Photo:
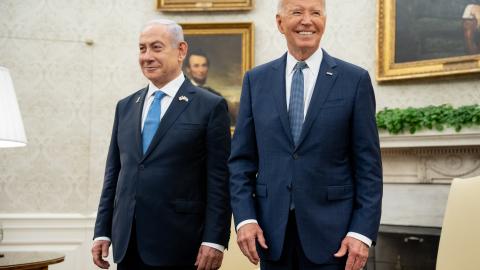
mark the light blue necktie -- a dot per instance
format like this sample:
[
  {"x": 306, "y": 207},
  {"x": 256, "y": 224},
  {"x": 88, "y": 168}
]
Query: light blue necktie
[
  {"x": 296, "y": 108},
  {"x": 152, "y": 121},
  {"x": 296, "y": 103}
]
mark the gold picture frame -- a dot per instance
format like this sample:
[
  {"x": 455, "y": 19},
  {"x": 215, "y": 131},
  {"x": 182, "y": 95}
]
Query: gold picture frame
[
  {"x": 228, "y": 49},
  {"x": 414, "y": 41},
  {"x": 204, "y": 5}
]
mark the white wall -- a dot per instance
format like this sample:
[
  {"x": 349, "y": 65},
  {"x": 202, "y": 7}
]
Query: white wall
[{"x": 69, "y": 234}]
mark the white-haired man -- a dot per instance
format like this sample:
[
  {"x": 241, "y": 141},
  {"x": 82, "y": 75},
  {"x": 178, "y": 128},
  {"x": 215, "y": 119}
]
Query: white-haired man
[
  {"x": 306, "y": 176},
  {"x": 164, "y": 202}
]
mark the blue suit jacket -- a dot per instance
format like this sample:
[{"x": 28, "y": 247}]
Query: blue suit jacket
[
  {"x": 334, "y": 173},
  {"x": 178, "y": 190}
]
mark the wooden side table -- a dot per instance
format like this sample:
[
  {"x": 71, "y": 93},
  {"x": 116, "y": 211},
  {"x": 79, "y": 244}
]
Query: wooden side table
[{"x": 30, "y": 260}]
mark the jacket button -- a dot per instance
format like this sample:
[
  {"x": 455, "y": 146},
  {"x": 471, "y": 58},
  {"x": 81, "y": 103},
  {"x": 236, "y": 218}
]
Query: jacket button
[
  {"x": 295, "y": 156},
  {"x": 289, "y": 187},
  {"x": 142, "y": 167}
]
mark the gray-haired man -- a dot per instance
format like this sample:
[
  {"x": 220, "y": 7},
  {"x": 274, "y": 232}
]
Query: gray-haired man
[{"x": 164, "y": 203}]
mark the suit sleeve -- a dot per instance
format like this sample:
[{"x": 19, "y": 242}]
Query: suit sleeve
[
  {"x": 218, "y": 211},
  {"x": 103, "y": 224},
  {"x": 243, "y": 162},
  {"x": 367, "y": 164}
]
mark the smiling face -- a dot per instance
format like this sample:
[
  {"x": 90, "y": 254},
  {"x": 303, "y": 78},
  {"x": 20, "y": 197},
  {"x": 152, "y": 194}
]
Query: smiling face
[
  {"x": 160, "y": 56},
  {"x": 303, "y": 24}
]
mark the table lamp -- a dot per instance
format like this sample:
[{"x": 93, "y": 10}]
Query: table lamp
[{"x": 12, "y": 133}]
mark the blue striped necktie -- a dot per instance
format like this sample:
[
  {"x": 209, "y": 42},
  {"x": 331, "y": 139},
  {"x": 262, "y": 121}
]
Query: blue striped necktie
[
  {"x": 296, "y": 103},
  {"x": 152, "y": 121}
]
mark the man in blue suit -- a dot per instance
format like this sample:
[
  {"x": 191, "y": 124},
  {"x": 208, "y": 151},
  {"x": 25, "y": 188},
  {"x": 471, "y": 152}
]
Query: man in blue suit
[
  {"x": 165, "y": 201},
  {"x": 306, "y": 176}
]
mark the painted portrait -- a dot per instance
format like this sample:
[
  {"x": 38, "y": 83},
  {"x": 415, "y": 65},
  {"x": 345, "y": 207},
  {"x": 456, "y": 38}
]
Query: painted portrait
[
  {"x": 424, "y": 38},
  {"x": 204, "y": 5},
  {"x": 432, "y": 29},
  {"x": 218, "y": 57}
]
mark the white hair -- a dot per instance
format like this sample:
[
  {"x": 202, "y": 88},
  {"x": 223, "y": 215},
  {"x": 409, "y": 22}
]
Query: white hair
[
  {"x": 174, "y": 28},
  {"x": 281, "y": 6}
]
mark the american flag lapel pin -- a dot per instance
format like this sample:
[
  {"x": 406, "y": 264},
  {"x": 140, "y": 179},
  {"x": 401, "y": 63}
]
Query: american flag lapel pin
[
  {"x": 329, "y": 73},
  {"x": 183, "y": 98},
  {"x": 138, "y": 100}
]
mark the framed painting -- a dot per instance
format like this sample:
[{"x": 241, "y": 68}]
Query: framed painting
[
  {"x": 204, "y": 5},
  {"x": 427, "y": 38},
  {"x": 218, "y": 56}
]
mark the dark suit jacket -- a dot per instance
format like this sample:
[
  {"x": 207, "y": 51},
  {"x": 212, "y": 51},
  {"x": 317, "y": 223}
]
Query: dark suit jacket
[
  {"x": 334, "y": 173},
  {"x": 178, "y": 190}
]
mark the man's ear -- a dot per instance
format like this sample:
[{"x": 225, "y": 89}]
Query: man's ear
[
  {"x": 278, "y": 18},
  {"x": 182, "y": 50}
]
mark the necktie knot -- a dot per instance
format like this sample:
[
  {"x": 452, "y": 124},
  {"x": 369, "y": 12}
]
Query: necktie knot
[
  {"x": 158, "y": 95},
  {"x": 300, "y": 65}
]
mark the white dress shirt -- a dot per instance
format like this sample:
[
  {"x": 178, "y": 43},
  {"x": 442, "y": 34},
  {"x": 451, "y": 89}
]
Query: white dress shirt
[
  {"x": 170, "y": 90},
  {"x": 310, "y": 75}
]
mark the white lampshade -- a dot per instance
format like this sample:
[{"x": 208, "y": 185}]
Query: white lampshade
[{"x": 12, "y": 133}]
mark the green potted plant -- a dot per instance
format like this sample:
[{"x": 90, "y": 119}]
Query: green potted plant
[{"x": 397, "y": 121}]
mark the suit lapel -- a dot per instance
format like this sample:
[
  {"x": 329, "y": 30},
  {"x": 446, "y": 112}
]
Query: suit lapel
[
  {"x": 140, "y": 99},
  {"x": 279, "y": 93},
  {"x": 323, "y": 86},
  {"x": 174, "y": 110}
]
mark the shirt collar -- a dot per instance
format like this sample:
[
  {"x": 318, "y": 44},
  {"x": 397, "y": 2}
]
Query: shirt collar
[
  {"x": 313, "y": 62},
  {"x": 170, "y": 89}
]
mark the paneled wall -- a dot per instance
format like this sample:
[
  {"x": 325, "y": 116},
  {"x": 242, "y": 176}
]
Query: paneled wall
[{"x": 71, "y": 234}]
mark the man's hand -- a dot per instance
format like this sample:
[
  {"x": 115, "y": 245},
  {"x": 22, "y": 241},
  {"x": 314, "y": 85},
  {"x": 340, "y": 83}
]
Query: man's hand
[
  {"x": 357, "y": 253},
  {"x": 208, "y": 258},
  {"x": 246, "y": 236},
  {"x": 100, "y": 251}
]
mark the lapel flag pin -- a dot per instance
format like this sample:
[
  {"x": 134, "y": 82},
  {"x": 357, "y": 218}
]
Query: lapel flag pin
[
  {"x": 138, "y": 100},
  {"x": 329, "y": 73},
  {"x": 184, "y": 98}
]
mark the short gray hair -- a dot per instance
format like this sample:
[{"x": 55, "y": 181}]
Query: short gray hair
[
  {"x": 174, "y": 28},
  {"x": 281, "y": 5}
]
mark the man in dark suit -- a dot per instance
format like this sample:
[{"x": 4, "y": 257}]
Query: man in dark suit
[
  {"x": 164, "y": 203},
  {"x": 306, "y": 177}
]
